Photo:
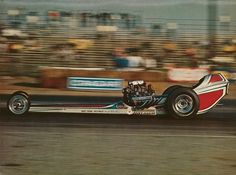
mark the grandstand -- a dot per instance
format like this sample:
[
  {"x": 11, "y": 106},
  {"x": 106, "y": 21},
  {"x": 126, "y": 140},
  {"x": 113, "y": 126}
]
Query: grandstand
[{"x": 49, "y": 30}]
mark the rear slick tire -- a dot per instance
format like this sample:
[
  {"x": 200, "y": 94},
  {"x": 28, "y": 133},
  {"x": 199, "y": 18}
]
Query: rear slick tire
[
  {"x": 182, "y": 103},
  {"x": 170, "y": 89}
]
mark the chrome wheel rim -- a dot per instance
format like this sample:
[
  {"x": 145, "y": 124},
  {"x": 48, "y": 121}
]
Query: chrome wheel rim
[
  {"x": 184, "y": 104},
  {"x": 18, "y": 104}
]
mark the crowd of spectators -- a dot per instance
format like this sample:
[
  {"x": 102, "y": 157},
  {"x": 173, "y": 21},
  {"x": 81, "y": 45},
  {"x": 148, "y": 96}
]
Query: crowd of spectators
[{"x": 34, "y": 40}]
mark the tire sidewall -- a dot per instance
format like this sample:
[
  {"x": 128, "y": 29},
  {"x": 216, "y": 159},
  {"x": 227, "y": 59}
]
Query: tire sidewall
[{"x": 170, "y": 105}]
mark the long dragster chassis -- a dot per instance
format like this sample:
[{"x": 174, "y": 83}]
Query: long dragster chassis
[{"x": 138, "y": 98}]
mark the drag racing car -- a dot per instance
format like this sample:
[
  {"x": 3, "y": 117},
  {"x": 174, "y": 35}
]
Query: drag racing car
[{"x": 139, "y": 98}]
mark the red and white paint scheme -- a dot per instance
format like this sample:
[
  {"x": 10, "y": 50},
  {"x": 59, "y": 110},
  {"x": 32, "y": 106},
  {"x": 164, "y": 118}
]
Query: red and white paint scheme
[
  {"x": 138, "y": 98},
  {"x": 210, "y": 90}
]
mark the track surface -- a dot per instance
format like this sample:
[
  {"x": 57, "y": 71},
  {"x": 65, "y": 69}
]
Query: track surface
[{"x": 75, "y": 144}]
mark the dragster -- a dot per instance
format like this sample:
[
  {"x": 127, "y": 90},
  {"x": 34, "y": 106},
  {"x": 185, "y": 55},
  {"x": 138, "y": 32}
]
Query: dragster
[{"x": 139, "y": 98}]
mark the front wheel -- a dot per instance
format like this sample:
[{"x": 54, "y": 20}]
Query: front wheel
[
  {"x": 182, "y": 103},
  {"x": 18, "y": 104}
]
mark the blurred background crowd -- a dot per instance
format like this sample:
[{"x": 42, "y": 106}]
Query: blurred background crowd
[{"x": 126, "y": 35}]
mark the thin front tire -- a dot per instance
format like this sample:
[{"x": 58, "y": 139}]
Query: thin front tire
[{"x": 18, "y": 104}]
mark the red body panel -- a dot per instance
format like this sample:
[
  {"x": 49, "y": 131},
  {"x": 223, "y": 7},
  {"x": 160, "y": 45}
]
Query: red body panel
[
  {"x": 208, "y": 99},
  {"x": 210, "y": 90},
  {"x": 215, "y": 78}
]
